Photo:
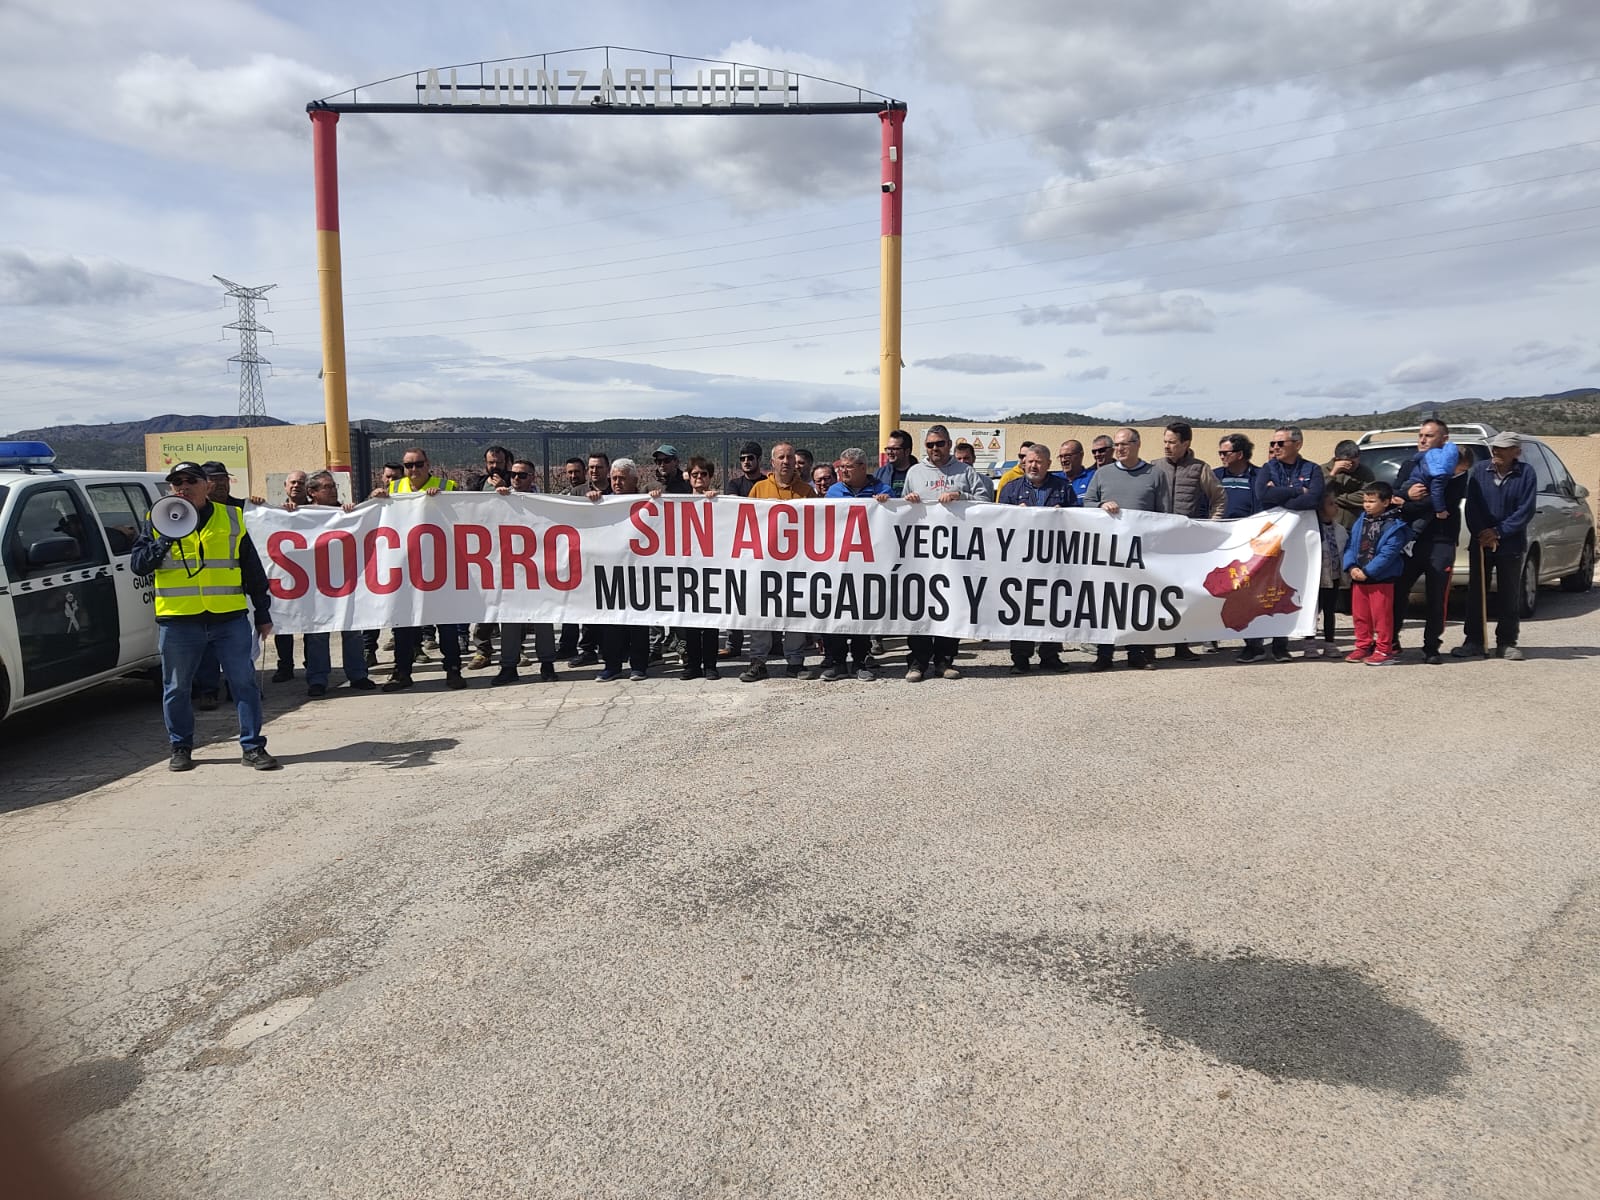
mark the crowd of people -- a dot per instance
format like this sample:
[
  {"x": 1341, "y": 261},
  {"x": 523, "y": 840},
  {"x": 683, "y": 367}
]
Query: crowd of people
[{"x": 1378, "y": 538}]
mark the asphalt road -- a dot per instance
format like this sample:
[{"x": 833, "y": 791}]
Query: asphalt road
[{"x": 1301, "y": 930}]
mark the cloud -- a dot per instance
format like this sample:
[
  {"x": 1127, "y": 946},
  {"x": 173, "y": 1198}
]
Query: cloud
[
  {"x": 1088, "y": 376},
  {"x": 1077, "y": 352},
  {"x": 1350, "y": 389},
  {"x": 1529, "y": 353},
  {"x": 1129, "y": 315},
  {"x": 1054, "y": 314},
  {"x": 259, "y": 102},
  {"x": 1085, "y": 86},
  {"x": 1122, "y": 196},
  {"x": 1111, "y": 410},
  {"x": 1424, "y": 370},
  {"x": 748, "y": 161},
  {"x": 1178, "y": 389},
  {"x": 1153, "y": 314},
  {"x": 27, "y": 278},
  {"x": 978, "y": 364}
]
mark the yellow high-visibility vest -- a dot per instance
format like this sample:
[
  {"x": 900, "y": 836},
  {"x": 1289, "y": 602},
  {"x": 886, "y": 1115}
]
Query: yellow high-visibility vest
[
  {"x": 396, "y": 486},
  {"x": 201, "y": 572}
]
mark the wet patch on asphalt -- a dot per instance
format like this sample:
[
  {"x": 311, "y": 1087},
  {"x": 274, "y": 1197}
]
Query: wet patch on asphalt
[
  {"x": 1293, "y": 1020},
  {"x": 1286, "y": 1020},
  {"x": 63, "y": 1098}
]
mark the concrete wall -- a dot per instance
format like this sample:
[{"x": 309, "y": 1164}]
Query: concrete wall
[{"x": 275, "y": 450}]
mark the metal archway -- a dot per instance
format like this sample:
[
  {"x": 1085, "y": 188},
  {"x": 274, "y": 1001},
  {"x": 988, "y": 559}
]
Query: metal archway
[{"x": 649, "y": 84}]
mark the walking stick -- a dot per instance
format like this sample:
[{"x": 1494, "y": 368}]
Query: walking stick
[{"x": 1483, "y": 600}]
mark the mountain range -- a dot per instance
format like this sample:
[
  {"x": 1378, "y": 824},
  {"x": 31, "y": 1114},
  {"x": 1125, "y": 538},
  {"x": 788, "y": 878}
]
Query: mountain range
[{"x": 120, "y": 445}]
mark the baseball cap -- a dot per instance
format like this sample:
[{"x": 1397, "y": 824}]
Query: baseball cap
[
  {"x": 1505, "y": 441},
  {"x": 216, "y": 470},
  {"x": 665, "y": 452},
  {"x": 186, "y": 468}
]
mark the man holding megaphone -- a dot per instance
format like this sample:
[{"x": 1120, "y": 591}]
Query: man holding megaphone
[{"x": 207, "y": 574}]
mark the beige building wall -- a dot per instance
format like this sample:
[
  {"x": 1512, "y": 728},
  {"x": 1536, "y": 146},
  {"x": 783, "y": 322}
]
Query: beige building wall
[{"x": 275, "y": 450}]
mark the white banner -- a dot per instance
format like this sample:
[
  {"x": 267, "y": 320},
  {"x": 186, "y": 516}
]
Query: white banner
[{"x": 964, "y": 570}]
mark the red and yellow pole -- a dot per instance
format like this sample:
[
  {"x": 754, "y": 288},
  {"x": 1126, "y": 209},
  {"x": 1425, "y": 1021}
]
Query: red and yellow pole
[
  {"x": 893, "y": 177},
  {"x": 330, "y": 295}
]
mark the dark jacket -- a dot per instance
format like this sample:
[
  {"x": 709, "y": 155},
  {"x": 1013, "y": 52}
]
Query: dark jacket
[
  {"x": 1504, "y": 504},
  {"x": 1389, "y": 558},
  {"x": 741, "y": 484},
  {"x": 1446, "y": 529},
  {"x": 151, "y": 549},
  {"x": 1054, "y": 492},
  {"x": 1195, "y": 491},
  {"x": 1347, "y": 487},
  {"x": 1297, "y": 488},
  {"x": 885, "y": 476},
  {"x": 1239, "y": 493}
]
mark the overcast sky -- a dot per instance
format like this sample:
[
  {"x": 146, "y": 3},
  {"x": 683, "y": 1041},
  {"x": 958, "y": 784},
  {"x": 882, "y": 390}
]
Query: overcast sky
[{"x": 1122, "y": 207}]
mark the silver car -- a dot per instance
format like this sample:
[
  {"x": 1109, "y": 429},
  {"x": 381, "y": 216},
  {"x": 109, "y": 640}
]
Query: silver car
[{"x": 1561, "y": 534}]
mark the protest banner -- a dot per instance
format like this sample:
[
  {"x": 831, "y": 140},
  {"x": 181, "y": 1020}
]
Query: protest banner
[{"x": 966, "y": 570}]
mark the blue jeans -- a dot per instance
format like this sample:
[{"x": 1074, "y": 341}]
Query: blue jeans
[
  {"x": 208, "y": 676},
  {"x": 319, "y": 656},
  {"x": 183, "y": 643}
]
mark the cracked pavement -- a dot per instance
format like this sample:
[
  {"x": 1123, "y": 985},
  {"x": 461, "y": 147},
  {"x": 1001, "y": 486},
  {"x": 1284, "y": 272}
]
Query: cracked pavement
[{"x": 1255, "y": 931}]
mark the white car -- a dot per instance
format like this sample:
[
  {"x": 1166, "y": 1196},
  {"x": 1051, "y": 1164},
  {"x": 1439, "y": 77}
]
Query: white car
[{"x": 72, "y": 612}]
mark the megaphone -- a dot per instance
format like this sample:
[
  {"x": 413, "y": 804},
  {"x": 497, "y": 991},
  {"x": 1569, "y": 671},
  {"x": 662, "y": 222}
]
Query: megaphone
[{"x": 174, "y": 517}]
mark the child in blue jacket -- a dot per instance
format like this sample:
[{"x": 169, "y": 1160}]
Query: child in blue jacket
[
  {"x": 1434, "y": 469},
  {"x": 1374, "y": 557}
]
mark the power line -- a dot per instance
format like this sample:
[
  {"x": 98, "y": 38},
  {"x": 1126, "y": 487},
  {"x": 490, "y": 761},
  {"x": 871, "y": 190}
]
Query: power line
[
  {"x": 793, "y": 328},
  {"x": 1229, "y": 177},
  {"x": 723, "y": 243},
  {"x": 1338, "y": 215},
  {"x": 989, "y": 200},
  {"x": 556, "y": 355},
  {"x": 1089, "y": 183}
]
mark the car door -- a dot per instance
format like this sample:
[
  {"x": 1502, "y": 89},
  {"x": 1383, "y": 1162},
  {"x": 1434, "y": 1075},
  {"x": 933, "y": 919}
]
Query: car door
[
  {"x": 1552, "y": 525},
  {"x": 68, "y": 626},
  {"x": 121, "y": 508}
]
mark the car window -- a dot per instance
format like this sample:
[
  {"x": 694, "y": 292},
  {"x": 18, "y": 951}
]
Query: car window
[
  {"x": 1533, "y": 454},
  {"x": 115, "y": 508},
  {"x": 1558, "y": 470},
  {"x": 52, "y": 512},
  {"x": 1385, "y": 463}
]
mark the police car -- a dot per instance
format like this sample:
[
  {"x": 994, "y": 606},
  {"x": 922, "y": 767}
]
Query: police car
[{"x": 72, "y": 613}]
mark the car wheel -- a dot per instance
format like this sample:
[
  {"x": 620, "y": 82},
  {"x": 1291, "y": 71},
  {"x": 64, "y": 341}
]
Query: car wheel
[
  {"x": 1530, "y": 583},
  {"x": 1582, "y": 579}
]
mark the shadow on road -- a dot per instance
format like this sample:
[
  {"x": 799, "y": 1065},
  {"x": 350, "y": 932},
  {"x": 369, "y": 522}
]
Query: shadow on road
[{"x": 392, "y": 756}]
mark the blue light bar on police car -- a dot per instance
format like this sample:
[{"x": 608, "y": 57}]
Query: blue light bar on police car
[{"x": 26, "y": 454}]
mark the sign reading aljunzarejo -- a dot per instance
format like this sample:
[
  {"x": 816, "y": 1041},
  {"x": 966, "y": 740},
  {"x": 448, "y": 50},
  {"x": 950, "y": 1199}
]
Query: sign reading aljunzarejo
[
  {"x": 962, "y": 570},
  {"x": 655, "y": 87}
]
